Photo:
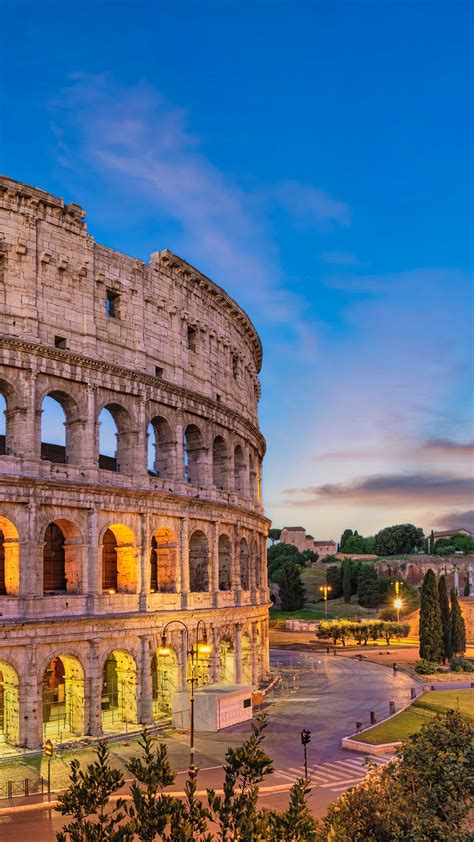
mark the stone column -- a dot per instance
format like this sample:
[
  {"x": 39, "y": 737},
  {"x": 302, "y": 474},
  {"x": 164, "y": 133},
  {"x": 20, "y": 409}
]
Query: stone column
[
  {"x": 94, "y": 562},
  {"x": 179, "y": 466},
  {"x": 141, "y": 455},
  {"x": 215, "y": 562},
  {"x": 216, "y": 655},
  {"x": 93, "y": 695},
  {"x": 184, "y": 559},
  {"x": 236, "y": 584},
  {"x": 90, "y": 436},
  {"x": 145, "y": 712},
  {"x": 31, "y": 447},
  {"x": 238, "y": 652},
  {"x": 143, "y": 579},
  {"x": 255, "y": 655},
  {"x": 28, "y": 574},
  {"x": 31, "y": 703}
]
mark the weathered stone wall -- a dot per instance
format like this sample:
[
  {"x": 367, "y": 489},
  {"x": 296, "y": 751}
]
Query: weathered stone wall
[{"x": 176, "y": 352}]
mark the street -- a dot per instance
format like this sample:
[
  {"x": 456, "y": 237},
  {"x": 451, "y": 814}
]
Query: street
[{"x": 324, "y": 693}]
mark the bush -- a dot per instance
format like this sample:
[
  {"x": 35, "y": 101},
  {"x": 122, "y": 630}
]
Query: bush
[
  {"x": 461, "y": 664},
  {"x": 424, "y": 667},
  {"x": 446, "y": 549}
]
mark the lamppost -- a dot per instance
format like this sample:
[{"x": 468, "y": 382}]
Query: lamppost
[
  {"x": 203, "y": 648},
  {"x": 398, "y": 601},
  {"x": 325, "y": 589}
]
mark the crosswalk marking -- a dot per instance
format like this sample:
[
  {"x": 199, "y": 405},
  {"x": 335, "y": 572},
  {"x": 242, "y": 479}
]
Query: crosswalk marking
[{"x": 335, "y": 775}]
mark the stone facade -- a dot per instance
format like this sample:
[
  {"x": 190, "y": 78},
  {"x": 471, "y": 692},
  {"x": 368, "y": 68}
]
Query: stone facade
[{"x": 98, "y": 553}]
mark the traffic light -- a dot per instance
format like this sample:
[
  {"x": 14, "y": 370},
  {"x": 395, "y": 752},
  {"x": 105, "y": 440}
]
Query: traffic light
[{"x": 305, "y": 736}]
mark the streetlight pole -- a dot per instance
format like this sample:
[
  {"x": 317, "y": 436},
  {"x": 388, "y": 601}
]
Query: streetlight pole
[
  {"x": 325, "y": 589},
  {"x": 204, "y": 648}
]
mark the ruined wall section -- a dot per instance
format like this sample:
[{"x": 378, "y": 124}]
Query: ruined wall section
[{"x": 54, "y": 282}]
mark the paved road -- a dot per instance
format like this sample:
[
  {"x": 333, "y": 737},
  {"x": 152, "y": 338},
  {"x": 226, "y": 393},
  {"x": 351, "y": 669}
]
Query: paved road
[{"x": 325, "y": 693}]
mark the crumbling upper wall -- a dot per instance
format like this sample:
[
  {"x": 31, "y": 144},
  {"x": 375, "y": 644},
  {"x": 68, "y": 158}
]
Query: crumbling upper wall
[{"x": 54, "y": 283}]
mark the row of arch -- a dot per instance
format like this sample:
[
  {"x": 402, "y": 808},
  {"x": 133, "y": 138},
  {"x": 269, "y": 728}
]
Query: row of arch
[
  {"x": 169, "y": 453},
  {"x": 64, "y": 689},
  {"x": 61, "y": 560}
]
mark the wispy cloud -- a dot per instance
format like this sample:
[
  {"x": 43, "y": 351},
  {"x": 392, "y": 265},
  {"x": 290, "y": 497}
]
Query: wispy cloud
[
  {"x": 383, "y": 489},
  {"x": 312, "y": 207},
  {"x": 447, "y": 448}
]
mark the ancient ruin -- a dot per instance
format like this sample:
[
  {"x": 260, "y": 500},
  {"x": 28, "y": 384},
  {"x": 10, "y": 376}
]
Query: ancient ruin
[{"x": 99, "y": 551}]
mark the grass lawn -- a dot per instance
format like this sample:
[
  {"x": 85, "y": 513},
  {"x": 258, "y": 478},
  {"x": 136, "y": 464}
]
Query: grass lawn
[
  {"x": 302, "y": 614},
  {"x": 421, "y": 711}
]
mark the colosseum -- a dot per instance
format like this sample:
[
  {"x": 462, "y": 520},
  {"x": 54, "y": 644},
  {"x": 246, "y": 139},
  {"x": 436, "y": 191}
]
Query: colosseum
[{"x": 99, "y": 550}]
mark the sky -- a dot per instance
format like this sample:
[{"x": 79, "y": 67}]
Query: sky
[{"x": 313, "y": 158}]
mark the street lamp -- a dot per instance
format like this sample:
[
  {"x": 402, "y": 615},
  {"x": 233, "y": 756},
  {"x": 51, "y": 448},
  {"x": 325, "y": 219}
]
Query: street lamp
[
  {"x": 203, "y": 648},
  {"x": 325, "y": 589},
  {"x": 398, "y": 601}
]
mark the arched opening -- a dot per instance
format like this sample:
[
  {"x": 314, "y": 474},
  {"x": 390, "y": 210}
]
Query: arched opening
[
  {"x": 63, "y": 697},
  {"x": 161, "y": 449},
  {"x": 119, "y": 567},
  {"x": 239, "y": 469},
  {"x": 226, "y": 662},
  {"x": 220, "y": 463},
  {"x": 244, "y": 565},
  {"x": 198, "y": 562},
  {"x": 246, "y": 659},
  {"x": 163, "y": 561},
  {"x": 53, "y": 428},
  {"x": 225, "y": 563},
  {"x": 9, "y": 558},
  {"x": 164, "y": 682},
  {"x": 194, "y": 455},
  {"x": 116, "y": 441},
  {"x": 252, "y": 477},
  {"x": 119, "y": 691},
  {"x": 9, "y": 705},
  {"x": 11, "y": 438},
  {"x": 54, "y": 560}
]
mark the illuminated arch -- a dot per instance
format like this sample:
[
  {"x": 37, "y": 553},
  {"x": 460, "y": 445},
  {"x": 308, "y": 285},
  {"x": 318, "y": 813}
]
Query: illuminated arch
[
  {"x": 163, "y": 561},
  {"x": 119, "y": 562},
  {"x": 119, "y": 690},
  {"x": 164, "y": 681},
  {"x": 9, "y": 704},
  {"x": 226, "y": 661},
  {"x": 63, "y": 697},
  {"x": 9, "y": 558}
]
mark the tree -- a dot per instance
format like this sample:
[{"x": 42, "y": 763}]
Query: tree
[
  {"x": 368, "y": 586},
  {"x": 432, "y": 543},
  {"x": 346, "y": 580},
  {"x": 87, "y": 801},
  {"x": 445, "y": 617},
  {"x": 355, "y": 544},
  {"x": 311, "y": 555},
  {"x": 292, "y": 590},
  {"x": 424, "y": 797},
  {"x": 274, "y": 535},
  {"x": 279, "y": 555},
  {"x": 296, "y": 824},
  {"x": 345, "y": 535},
  {"x": 334, "y": 579},
  {"x": 458, "y": 626},
  {"x": 431, "y": 630},
  {"x": 404, "y": 538}
]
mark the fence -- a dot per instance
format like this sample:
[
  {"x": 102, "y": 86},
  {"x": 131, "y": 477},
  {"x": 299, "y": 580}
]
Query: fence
[{"x": 22, "y": 787}]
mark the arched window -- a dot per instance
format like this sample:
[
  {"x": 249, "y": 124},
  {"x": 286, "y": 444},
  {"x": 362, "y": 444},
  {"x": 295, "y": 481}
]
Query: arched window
[
  {"x": 194, "y": 455},
  {"x": 225, "y": 563},
  {"x": 53, "y": 430},
  {"x": 116, "y": 446},
  {"x": 63, "y": 697},
  {"x": 198, "y": 562},
  {"x": 54, "y": 560},
  {"x": 109, "y": 561},
  {"x": 244, "y": 565},
  {"x": 163, "y": 561},
  {"x": 239, "y": 469},
  {"x": 220, "y": 463},
  {"x": 161, "y": 448}
]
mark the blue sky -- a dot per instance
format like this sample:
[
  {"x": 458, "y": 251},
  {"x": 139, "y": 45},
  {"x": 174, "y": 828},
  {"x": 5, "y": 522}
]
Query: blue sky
[{"x": 315, "y": 160}]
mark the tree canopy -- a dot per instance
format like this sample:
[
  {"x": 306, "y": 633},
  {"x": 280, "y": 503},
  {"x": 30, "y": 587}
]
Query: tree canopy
[
  {"x": 404, "y": 538},
  {"x": 431, "y": 630},
  {"x": 292, "y": 590}
]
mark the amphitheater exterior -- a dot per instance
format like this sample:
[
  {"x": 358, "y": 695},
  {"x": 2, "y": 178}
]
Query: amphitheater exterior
[{"x": 97, "y": 551}]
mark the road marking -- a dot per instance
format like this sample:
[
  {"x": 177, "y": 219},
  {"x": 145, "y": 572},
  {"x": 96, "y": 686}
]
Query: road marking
[{"x": 336, "y": 775}]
